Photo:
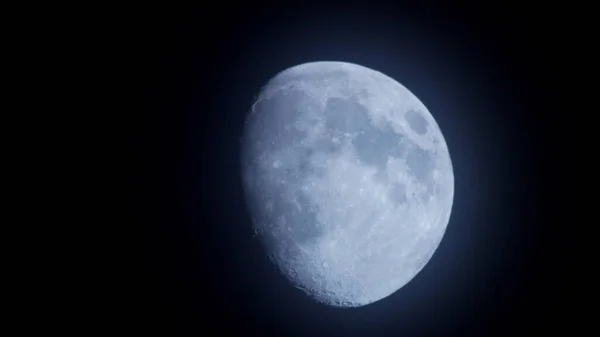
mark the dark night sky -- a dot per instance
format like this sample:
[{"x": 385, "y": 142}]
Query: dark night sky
[{"x": 478, "y": 69}]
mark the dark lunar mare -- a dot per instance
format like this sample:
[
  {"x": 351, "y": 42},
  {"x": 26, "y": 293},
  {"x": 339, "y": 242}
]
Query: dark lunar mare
[
  {"x": 416, "y": 121},
  {"x": 398, "y": 193},
  {"x": 375, "y": 144},
  {"x": 420, "y": 163},
  {"x": 345, "y": 115}
]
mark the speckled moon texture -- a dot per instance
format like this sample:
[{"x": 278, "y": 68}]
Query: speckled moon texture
[{"x": 348, "y": 180}]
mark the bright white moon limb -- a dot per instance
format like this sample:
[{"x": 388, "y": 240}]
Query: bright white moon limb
[{"x": 348, "y": 180}]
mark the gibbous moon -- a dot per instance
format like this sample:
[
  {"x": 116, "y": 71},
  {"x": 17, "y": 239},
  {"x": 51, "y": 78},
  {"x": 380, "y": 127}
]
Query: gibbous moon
[{"x": 348, "y": 180}]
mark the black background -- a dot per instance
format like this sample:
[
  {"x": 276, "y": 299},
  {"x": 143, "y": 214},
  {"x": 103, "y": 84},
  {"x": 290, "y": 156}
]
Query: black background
[{"x": 480, "y": 69}]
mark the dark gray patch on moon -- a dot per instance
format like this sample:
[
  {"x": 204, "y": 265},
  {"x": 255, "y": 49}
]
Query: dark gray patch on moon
[
  {"x": 429, "y": 190},
  {"x": 305, "y": 227},
  {"x": 302, "y": 166},
  {"x": 290, "y": 224},
  {"x": 374, "y": 145},
  {"x": 345, "y": 115},
  {"x": 398, "y": 193},
  {"x": 420, "y": 163},
  {"x": 326, "y": 144},
  {"x": 283, "y": 223},
  {"x": 416, "y": 121}
]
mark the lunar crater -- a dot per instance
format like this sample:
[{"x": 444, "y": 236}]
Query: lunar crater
[{"x": 416, "y": 121}]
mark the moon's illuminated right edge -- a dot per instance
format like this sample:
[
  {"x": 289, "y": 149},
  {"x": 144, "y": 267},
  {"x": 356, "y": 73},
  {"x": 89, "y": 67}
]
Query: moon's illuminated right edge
[{"x": 348, "y": 180}]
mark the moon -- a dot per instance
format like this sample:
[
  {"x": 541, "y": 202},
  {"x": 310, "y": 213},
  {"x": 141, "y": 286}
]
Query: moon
[{"x": 348, "y": 180}]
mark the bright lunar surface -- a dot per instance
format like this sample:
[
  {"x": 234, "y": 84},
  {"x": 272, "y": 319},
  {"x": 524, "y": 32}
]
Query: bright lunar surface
[{"x": 348, "y": 180}]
